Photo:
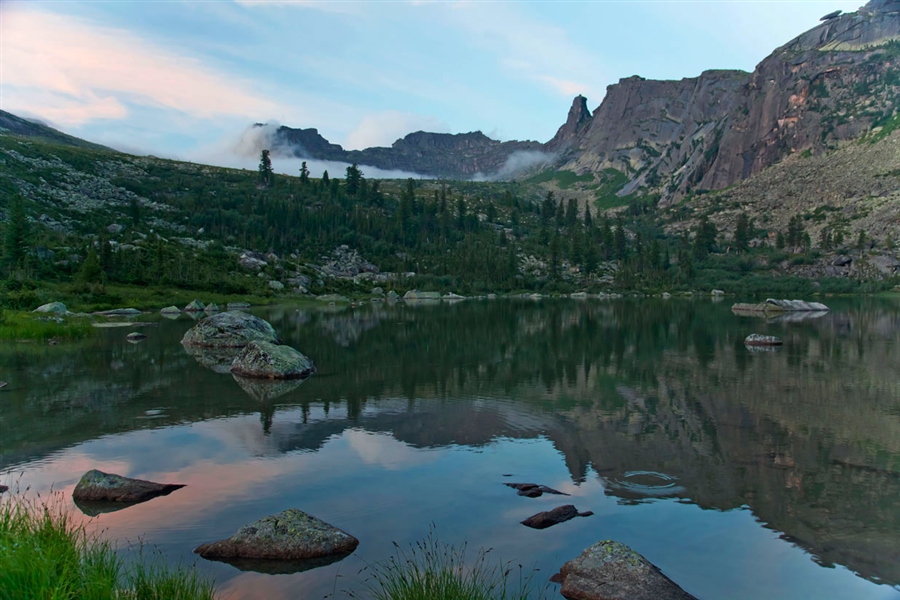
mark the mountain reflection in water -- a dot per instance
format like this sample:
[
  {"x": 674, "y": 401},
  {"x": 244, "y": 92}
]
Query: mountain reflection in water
[{"x": 656, "y": 406}]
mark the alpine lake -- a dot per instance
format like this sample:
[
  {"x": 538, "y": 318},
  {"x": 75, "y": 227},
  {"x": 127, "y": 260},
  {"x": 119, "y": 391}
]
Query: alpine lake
[{"x": 741, "y": 474}]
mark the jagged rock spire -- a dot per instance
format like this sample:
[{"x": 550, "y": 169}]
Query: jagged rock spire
[{"x": 579, "y": 118}]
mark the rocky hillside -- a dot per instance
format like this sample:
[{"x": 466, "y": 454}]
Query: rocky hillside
[
  {"x": 440, "y": 155},
  {"x": 11, "y": 124},
  {"x": 838, "y": 81}
]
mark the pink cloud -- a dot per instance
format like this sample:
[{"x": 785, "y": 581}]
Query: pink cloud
[{"x": 71, "y": 71}]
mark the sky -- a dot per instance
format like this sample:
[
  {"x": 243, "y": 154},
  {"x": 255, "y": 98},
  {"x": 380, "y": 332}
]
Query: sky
[{"x": 184, "y": 79}]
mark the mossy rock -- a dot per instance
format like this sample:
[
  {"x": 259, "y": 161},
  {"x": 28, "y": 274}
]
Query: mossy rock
[
  {"x": 232, "y": 329},
  {"x": 264, "y": 360}
]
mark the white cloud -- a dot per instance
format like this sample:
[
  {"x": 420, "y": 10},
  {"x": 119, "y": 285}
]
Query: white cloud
[
  {"x": 71, "y": 71},
  {"x": 384, "y": 128}
]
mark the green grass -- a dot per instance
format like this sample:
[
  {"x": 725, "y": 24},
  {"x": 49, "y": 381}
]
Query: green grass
[
  {"x": 433, "y": 570},
  {"x": 45, "y": 555},
  {"x": 613, "y": 181},
  {"x": 18, "y": 325}
]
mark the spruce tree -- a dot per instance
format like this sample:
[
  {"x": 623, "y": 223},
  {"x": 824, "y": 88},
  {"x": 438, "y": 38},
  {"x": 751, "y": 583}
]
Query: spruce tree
[{"x": 265, "y": 169}]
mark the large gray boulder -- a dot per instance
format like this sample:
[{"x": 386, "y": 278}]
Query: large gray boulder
[
  {"x": 289, "y": 535},
  {"x": 232, "y": 329},
  {"x": 612, "y": 571},
  {"x": 57, "y": 308},
  {"x": 97, "y": 486},
  {"x": 413, "y": 295},
  {"x": 264, "y": 360},
  {"x": 194, "y": 306}
]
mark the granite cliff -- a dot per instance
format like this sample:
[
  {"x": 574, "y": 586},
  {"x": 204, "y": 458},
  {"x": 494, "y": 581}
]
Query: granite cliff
[
  {"x": 835, "y": 82},
  {"x": 838, "y": 81}
]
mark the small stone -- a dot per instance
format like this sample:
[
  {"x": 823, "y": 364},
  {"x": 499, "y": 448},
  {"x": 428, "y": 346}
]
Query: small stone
[
  {"x": 276, "y": 285},
  {"x": 170, "y": 310},
  {"x": 533, "y": 490},
  {"x": 135, "y": 337}
]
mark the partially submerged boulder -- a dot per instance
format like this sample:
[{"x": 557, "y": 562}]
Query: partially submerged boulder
[
  {"x": 232, "y": 329},
  {"x": 97, "y": 486},
  {"x": 170, "y": 310},
  {"x": 533, "y": 490},
  {"x": 119, "y": 312},
  {"x": 417, "y": 295},
  {"x": 773, "y": 306},
  {"x": 757, "y": 339},
  {"x": 558, "y": 515},
  {"x": 212, "y": 307},
  {"x": 289, "y": 535},
  {"x": 135, "y": 337},
  {"x": 612, "y": 571},
  {"x": 264, "y": 360},
  {"x": 194, "y": 306}
]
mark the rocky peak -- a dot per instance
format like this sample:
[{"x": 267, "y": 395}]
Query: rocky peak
[
  {"x": 579, "y": 117},
  {"x": 875, "y": 7},
  {"x": 443, "y": 141}
]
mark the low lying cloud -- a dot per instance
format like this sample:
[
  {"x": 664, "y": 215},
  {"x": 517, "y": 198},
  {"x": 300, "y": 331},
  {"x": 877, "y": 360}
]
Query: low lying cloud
[
  {"x": 243, "y": 152},
  {"x": 518, "y": 163}
]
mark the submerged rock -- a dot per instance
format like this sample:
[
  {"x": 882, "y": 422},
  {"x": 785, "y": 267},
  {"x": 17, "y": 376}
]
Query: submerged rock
[
  {"x": 612, "y": 571},
  {"x": 237, "y": 305},
  {"x": 558, "y": 515},
  {"x": 232, "y": 329},
  {"x": 289, "y": 535},
  {"x": 264, "y": 360},
  {"x": 135, "y": 337},
  {"x": 52, "y": 307},
  {"x": 97, "y": 486},
  {"x": 756, "y": 339},
  {"x": 533, "y": 490}
]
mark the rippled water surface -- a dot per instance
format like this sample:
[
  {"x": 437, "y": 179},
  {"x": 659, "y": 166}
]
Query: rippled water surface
[{"x": 740, "y": 474}]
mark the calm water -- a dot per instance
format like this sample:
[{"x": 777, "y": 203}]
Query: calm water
[{"x": 740, "y": 474}]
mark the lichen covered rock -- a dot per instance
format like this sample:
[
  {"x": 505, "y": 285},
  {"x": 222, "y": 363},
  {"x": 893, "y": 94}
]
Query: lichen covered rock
[
  {"x": 612, "y": 571},
  {"x": 289, "y": 535},
  {"x": 52, "y": 307},
  {"x": 264, "y": 360},
  {"x": 232, "y": 329},
  {"x": 97, "y": 486}
]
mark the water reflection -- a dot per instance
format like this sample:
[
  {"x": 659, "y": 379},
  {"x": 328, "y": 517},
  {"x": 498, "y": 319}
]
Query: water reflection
[{"x": 648, "y": 400}]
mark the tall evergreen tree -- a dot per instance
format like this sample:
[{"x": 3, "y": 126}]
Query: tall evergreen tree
[{"x": 265, "y": 169}]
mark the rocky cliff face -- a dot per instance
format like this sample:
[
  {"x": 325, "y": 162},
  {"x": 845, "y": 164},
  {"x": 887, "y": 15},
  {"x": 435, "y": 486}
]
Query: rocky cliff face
[
  {"x": 835, "y": 82},
  {"x": 453, "y": 156}
]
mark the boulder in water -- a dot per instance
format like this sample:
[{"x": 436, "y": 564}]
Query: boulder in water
[
  {"x": 97, "y": 486},
  {"x": 264, "y": 360},
  {"x": 289, "y": 535},
  {"x": 170, "y": 310},
  {"x": 194, "y": 306},
  {"x": 612, "y": 571},
  {"x": 533, "y": 490},
  {"x": 232, "y": 329},
  {"x": 756, "y": 339},
  {"x": 558, "y": 515},
  {"x": 135, "y": 337}
]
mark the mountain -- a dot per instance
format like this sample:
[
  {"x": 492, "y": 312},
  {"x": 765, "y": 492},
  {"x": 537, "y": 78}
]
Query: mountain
[
  {"x": 836, "y": 82},
  {"x": 10, "y": 123},
  {"x": 440, "y": 155}
]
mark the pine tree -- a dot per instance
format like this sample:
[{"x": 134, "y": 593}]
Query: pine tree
[
  {"x": 742, "y": 233},
  {"x": 304, "y": 173},
  {"x": 265, "y": 169},
  {"x": 354, "y": 180}
]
